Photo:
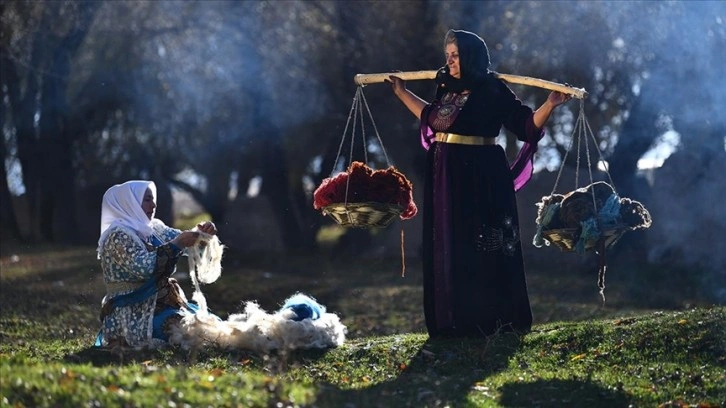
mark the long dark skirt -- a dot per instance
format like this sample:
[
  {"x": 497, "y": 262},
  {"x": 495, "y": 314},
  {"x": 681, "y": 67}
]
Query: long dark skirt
[{"x": 474, "y": 282}]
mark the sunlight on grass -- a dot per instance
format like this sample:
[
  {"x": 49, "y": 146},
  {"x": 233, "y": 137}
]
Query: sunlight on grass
[
  {"x": 144, "y": 384},
  {"x": 586, "y": 354}
]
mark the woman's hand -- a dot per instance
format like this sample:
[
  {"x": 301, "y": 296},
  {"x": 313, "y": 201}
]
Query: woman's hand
[
  {"x": 186, "y": 239},
  {"x": 207, "y": 227},
  {"x": 558, "y": 98},
  {"x": 397, "y": 84},
  {"x": 542, "y": 114}
]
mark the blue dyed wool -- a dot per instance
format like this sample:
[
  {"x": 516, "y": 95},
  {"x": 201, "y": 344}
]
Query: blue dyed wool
[{"x": 304, "y": 307}]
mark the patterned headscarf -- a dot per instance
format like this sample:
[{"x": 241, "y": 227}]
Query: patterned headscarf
[{"x": 122, "y": 207}]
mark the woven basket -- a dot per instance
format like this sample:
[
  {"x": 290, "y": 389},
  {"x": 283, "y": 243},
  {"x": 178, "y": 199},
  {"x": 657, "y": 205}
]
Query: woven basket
[
  {"x": 566, "y": 238},
  {"x": 363, "y": 215}
]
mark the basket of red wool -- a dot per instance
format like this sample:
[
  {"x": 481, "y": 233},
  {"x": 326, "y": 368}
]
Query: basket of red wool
[{"x": 366, "y": 198}]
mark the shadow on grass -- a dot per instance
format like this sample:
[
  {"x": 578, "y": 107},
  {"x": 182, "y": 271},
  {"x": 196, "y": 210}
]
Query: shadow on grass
[
  {"x": 561, "y": 393},
  {"x": 442, "y": 373},
  {"x": 99, "y": 357},
  {"x": 446, "y": 373},
  {"x": 103, "y": 356}
]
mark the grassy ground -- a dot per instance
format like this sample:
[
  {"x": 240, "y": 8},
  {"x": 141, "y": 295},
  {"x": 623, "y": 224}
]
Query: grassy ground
[{"x": 654, "y": 342}]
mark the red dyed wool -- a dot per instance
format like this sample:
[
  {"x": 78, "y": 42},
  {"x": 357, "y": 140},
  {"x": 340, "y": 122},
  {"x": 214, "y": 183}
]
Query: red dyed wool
[{"x": 387, "y": 186}]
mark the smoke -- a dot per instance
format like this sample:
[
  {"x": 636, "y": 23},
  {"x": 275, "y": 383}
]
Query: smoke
[
  {"x": 688, "y": 61},
  {"x": 668, "y": 57},
  {"x": 681, "y": 48}
]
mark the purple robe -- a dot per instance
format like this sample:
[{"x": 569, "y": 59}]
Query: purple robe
[{"x": 474, "y": 281}]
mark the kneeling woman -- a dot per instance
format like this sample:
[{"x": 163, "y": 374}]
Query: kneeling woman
[{"x": 138, "y": 255}]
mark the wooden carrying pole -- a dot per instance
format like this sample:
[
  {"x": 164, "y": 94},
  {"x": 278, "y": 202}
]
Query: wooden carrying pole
[{"x": 365, "y": 79}]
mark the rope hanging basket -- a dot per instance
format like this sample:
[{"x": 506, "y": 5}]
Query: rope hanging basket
[
  {"x": 363, "y": 215},
  {"x": 366, "y": 198},
  {"x": 566, "y": 238},
  {"x": 361, "y": 196},
  {"x": 591, "y": 218}
]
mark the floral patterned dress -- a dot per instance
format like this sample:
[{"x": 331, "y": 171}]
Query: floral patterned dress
[{"x": 140, "y": 295}]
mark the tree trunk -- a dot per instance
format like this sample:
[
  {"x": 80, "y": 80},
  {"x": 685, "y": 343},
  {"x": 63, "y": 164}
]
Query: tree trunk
[
  {"x": 57, "y": 189},
  {"x": 44, "y": 151},
  {"x": 57, "y": 211},
  {"x": 216, "y": 198},
  {"x": 22, "y": 110},
  {"x": 276, "y": 186},
  {"x": 637, "y": 136},
  {"x": 164, "y": 201},
  {"x": 214, "y": 203},
  {"x": 8, "y": 221}
]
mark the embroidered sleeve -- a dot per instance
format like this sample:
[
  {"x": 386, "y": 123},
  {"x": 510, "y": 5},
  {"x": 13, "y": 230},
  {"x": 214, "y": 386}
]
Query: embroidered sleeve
[
  {"x": 167, "y": 233},
  {"x": 427, "y": 134}
]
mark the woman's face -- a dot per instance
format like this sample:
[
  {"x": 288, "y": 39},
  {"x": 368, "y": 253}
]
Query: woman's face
[
  {"x": 148, "y": 204},
  {"x": 452, "y": 60}
]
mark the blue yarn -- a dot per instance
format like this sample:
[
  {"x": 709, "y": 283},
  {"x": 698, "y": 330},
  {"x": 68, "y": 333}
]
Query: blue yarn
[
  {"x": 590, "y": 232},
  {"x": 304, "y": 307},
  {"x": 549, "y": 212},
  {"x": 610, "y": 212},
  {"x": 609, "y": 215}
]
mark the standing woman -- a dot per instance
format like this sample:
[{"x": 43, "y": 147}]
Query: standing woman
[
  {"x": 474, "y": 281},
  {"x": 138, "y": 255}
]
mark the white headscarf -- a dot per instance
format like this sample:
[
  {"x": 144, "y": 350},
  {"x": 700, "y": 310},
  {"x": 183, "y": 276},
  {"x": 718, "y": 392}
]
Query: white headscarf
[{"x": 122, "y": 207}]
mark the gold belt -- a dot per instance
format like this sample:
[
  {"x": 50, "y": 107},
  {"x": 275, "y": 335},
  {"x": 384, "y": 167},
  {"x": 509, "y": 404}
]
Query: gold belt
[{"x": 467, "y": 140}]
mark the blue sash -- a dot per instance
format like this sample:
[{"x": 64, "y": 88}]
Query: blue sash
[
  {"x": 141, "y": 294},
  {"x": 161, "y": 317},
  {"x": 147, "y": 290}
]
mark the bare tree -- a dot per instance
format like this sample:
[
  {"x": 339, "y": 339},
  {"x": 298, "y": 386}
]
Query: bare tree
[{"x": 36, "y": 80}]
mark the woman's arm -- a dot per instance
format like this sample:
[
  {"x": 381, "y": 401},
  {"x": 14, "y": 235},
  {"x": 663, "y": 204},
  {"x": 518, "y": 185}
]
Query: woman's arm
[
  {"x": 410, "y": 99},
  {"x": 135, "y": 262},
  {"x": 542, "y": 114},
  {"x": 182, "y": 239},
  {"x": 167, "y": 233}
]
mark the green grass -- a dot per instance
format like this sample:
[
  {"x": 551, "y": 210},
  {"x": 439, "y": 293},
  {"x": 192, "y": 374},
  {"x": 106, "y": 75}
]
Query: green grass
[{"x": 641, "y": 351}]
